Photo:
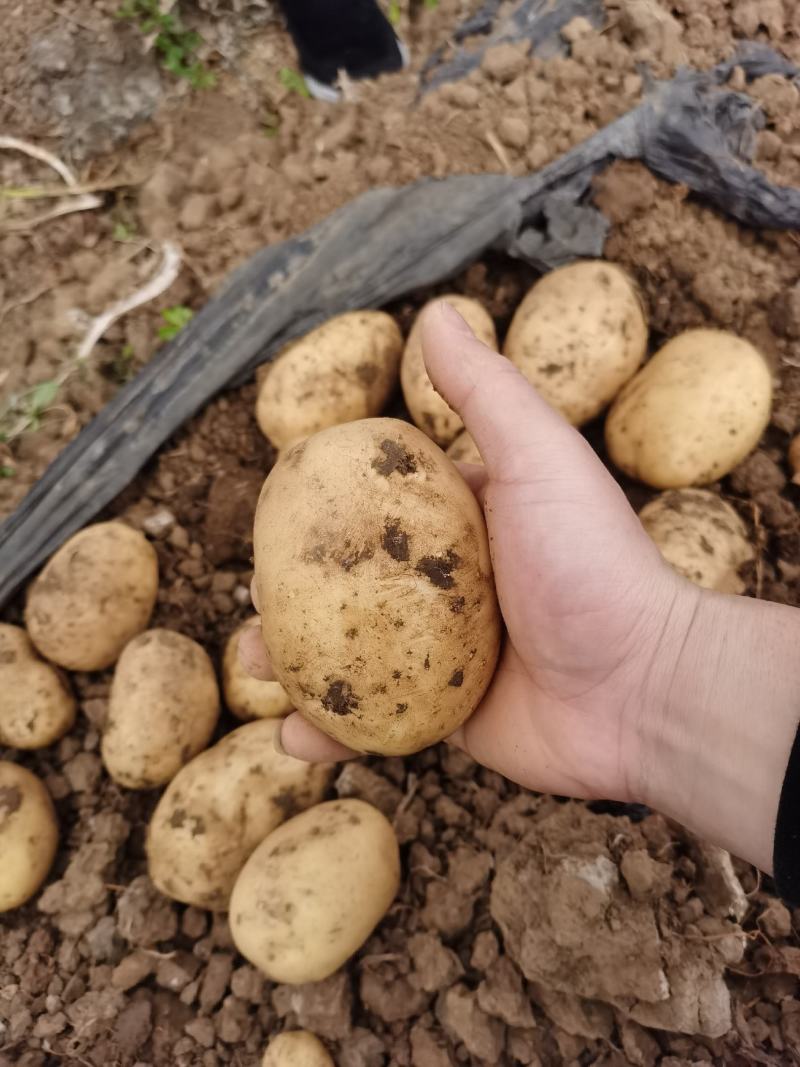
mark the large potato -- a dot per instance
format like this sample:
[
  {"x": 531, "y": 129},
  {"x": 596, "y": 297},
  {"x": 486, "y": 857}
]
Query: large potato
[
  {"x": 296, "y": 1048},
  {"x": 28, "y": 835},
  {"x": 578, "y": 336},
  {"x": 163, "y": 708},
  {"x": 95, "y": 594},
  {"x": 220, "y": 806},
  {"x": 247, "y": 697},
  {"x": 343, "y": 370},
  {"x": 464, "y": 450},
  {"x": 314, "y": 890},
  {"x": 375, "y": 585},
  {"x": 693, "y": 412},
  {"x": 428, "y": 410},
  {"x": 36, "y": 706},
  {"x": 700, "y": 536}
]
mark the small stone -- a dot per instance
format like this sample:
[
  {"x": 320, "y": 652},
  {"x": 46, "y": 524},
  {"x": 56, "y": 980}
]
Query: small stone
[
  {"x": 159, "y": 523},
  {"x": 241, "y": 596},
  {"x": 776, "y": 920},
  {"x": 194, "y": 923},
  {"x": 461, "y": 95},
  {"x": 247, "y": 984},
  {"x": 223, "y": 582},
  {"x": 96, "y": 711},
  {"x": 202, "y": 1031},
  {"x": 485, "y": 951},
  {"x": 50, "y": 1025},
  {"x": 215, "y": 980},
  {"x": 643, "y": 875},
  {"x": 83, "y": 772},
  {"x": 576, "y": 29},
  {"x": 179, "y": 538},
  {"x": 144, "y": 916},
  {"x": 132, "y": 970},
  {"x": 195, "y": 211},
  {"x": 514, "y": 131},
  {"x": 504, "y": 62},
  {"x": 175, "y": 973}
]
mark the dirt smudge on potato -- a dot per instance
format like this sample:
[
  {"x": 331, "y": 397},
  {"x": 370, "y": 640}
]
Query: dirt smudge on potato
[
  {"x": 353, "y": 556},
  {"x": 10, "y": 799},
  {"x": 395, "y": 458},
  {"x": 439, "y": 569},
  {"x": 457, "y": 679},
  {"x": 340, "y": 698},
  {"x": 457, "y": 605},
  {"x": 367, "y": 373},
  {"x": 395, "y": 540}
]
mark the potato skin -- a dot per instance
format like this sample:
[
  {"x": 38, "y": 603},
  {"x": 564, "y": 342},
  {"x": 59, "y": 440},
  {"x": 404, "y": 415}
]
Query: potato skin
[
  {"x": 162, "y": 711},
  {"x": 428, "y": 410},
  {"x": 246, "y": 697},
  {"x": 375, "y": 584},
  {"x": 36, "y": 705},
  {"x": 95, "y": 594},
  {"x": 343, "y": 370},
  {"x": 314, "y": 890},
  {"x": 578, "y": 336},
  {"x": 693, "y": 412},
  {"x": 28, "y": 835},
  {"x": 220, "y": 806},
  {"x": 464, "y": 450},
  {"x": 700, "y": 536},
  {"x": 296, "y": 1048}
]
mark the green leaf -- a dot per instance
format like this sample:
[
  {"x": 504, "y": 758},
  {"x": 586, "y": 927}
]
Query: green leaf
[
  {"x": 294, "y": 81},
  {"x": 394, "y": 12},
  {"x": 175, "y": 319},
  {"x": 7, "y": 472},
  {"x": 41, "y": 397}
]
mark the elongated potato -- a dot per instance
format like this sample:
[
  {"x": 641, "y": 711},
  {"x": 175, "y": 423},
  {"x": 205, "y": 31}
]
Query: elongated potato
[
  {"x": 296, "y": 1048},
  {"x": 247, "y": 697},
  {"x": 693, "y": 412},
  {"x": 374, "y": 578},
  {"x": 95, "y": 594},
  {"x": 28, "y": 835},
  {"x": 314, "y": 890},
  {"x": 578, "y": 336},
  {"x": 343, "y": 370},
  {"x": 163, "y": 708},
  {"x": 428, "y": 410},
  {"x": 700, "y": 536},
  {"x": 36, "y": 705},
  {"x": 220, "y": 806},
  {"x": 464, "y": 450}
]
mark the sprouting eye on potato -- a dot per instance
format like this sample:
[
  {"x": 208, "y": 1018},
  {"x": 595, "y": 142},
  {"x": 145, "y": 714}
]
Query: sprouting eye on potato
[
  {"x": 220, "y": 806},
  {"x": 578, "y": 336},
  {"x": 341, "y": 371},
  {"x": 95, "y": 594},
  {"x": 374, "y": 579},
  {"x": 247, "y": 697},
  {"x": 28, "y": 835},
  {"x": 296, "y": 1048},
  {"x": 36, "y": 705},
  {"x": 428, "y": 410},
  {"x": 314, "y": 890},
  {"x": 693, "y": 412},
  {"x": 162, "y": 711}
]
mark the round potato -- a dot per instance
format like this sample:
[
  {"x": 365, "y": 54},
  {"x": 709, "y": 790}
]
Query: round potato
[
  {"x": 36, "y": 706},
  {"x": 428, "y": 410},
  {"x": 693, "y": 412},
  {"x": 95, "y": 594},
  {"x": 578, "y": 336},
  {"x": 375, "y": 584},
  {"x": 220, "y": 806},
  {"x": 343, "y": 370},
  {"x": 28, "y": 835},
  {"x": 464, "y": 450},
  {"x": 314, "y": 890},
  {"x": 296, "y": 1048},
  {"x": 700, "y": 536},
  {"x": 162, "y": 711},
  {"x": 247, "y": 697}
]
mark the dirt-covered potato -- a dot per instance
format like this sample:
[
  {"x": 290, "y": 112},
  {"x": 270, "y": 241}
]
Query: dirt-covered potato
[
  {"x": 375, "y": 585},
  {"x": 464, "y": 450},
  {"x": 693, "y": 412},
  {"x": 36, "y": 705},
  {"x": 162, "y": 711},
  {"x": 314, "y": 890},
  {"x": 343, "y": 370},
  {"x": 428, "y": 410},
  {"x": 700, "y": 536},
  {"x": 220, "y": 806},
  {"x": 95, "y": 594},
  {"x": 247, "y": 697},
  {"x": 28, "y": 835},
  {"x": 296, "y": 1048},
  {"x": 578, "y": 336}
]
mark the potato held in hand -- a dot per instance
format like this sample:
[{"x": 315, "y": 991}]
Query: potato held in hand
[
  {"x": 28, "y": 835},
  {"x": 296, "y": 1048},
  {"x": 375, "y": 583},
  {"x": 314, "y": 890},
  {"x": 693, "y": 412},
  {"x": 343, "y": 370},
  {"x": 245, "y": 696},
  {"x": 163, "y": 708},
  {"x": 464, "y": 450},
  {"x": 36, "y": 706},
  {"x": 219, "y": 807}
]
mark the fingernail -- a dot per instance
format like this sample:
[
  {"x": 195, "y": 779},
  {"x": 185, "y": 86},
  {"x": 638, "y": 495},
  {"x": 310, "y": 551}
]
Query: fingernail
[
  {"x": 454, "y": 319},
  {"x": 276, "y": 740}
]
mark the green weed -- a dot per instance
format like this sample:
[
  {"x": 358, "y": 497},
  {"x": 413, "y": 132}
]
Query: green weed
[
  {"x": 175, "y": 44},
  {"x": 24, "y": 411},
  {"x": 7, "y": 472},
  {"x": 393, "y": 13},
  {"x": 175, "y": 318},
  {"x": 294, "y": 81}
]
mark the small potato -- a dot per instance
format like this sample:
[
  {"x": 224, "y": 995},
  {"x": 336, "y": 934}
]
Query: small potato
[
  {"x": 578, "y": 336},
  {"x": 163, "y": 708},
  {"x": 95, "y": 594},
  {"x": 296, "y": 1048},
  {"x": 700, "y": 536},
  {"x": 314, "y": 890},
  {"x": 428, "y": 410},
  {"x": 343, "y": 370},
  {"x": 247, "y": 697},
  {"x": 693, "y": 412},
  {"x": 36, "y": 706},
  {"x": 464, "y": 450},
  {"x": 28, "y": 835},
  {"x": 220, "y": 806}
]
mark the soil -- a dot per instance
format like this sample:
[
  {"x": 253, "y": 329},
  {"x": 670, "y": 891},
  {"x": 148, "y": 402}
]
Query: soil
[{"x": 493, "y": 952}]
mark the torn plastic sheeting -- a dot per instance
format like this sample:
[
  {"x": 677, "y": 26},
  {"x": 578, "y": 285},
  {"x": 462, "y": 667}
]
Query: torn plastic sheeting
[{"x": 382, "y": 246}]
